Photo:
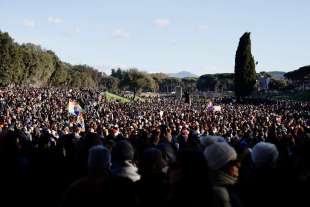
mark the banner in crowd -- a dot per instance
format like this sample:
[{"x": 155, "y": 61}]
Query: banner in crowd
[
  {"x": 217, "y": 108},
  {"x": 75, "y": 109},
  {"x": 210, "y": 105}
]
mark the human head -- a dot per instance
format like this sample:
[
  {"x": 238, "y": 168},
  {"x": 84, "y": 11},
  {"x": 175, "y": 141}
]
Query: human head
[
  {"x": 151, "y": 163},
  {"x": 99, "y": 160},
  {"x": 264, "y": 155},
  {"x": 123, "y": 151},
  {"x": 209, "y": 139},
  {"x": 221, "y": 156}
]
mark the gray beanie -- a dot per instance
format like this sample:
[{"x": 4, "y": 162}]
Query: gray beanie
[
  {"x": 219, "y": 154},
  {"x": 264, "y": 154},
  {"x": 99, "y": 159}
]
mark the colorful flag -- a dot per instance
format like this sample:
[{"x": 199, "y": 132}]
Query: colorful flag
[
  {"x": 74, "y": 108},
  {"x": 71, "y": 107}
]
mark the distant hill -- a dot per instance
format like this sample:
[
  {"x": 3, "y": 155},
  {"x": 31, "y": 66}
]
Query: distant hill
[
  {"x": 183, "y": 74},
  {"x": 277, "y": 74}
]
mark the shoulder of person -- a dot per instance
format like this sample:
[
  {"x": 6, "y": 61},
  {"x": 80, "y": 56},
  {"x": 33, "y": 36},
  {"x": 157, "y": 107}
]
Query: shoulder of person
[{"x": 221, "y": 193}]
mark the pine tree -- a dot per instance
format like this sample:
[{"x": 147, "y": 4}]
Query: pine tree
[{"x": 245, "y": 74}]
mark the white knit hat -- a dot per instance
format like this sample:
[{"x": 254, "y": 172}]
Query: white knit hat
[
  {"x": 264, "y": 154},
  {"x": 219, "y": 154},
  {"x": 208, "y": 139}
]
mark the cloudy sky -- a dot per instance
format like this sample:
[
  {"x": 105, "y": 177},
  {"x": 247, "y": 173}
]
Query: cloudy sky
[{"x": 200, "y": 36}]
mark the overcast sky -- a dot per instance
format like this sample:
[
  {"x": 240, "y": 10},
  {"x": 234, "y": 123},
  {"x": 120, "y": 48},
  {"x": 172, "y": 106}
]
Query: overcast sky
[{"x": 200, "y": 36}]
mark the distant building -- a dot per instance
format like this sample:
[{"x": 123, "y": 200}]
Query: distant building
[
  {"x": 263, "y": 83},
  {"x": 300, "y": 84},
  {"x": 178, "y": 92}
]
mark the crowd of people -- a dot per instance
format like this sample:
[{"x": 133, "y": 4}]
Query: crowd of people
[{"x": 152, "y": 152}]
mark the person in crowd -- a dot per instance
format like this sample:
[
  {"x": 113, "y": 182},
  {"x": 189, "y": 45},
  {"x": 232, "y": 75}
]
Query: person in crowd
[
  {"x": 167, "y": 147},
  {"x": 123, "y": 161},
  {"x": 152, "y": 188},
  {"x": 189, "y": 181},
  {"x": 88, "y": 191},
  {"x": 224, "y": 172},
  {"x": 266, "y": 172},
  {"x": 43, "y": 148}
]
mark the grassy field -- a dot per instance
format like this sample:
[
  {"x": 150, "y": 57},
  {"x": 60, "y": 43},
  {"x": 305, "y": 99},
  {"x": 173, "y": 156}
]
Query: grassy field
[{"x": 111, "y": 96}]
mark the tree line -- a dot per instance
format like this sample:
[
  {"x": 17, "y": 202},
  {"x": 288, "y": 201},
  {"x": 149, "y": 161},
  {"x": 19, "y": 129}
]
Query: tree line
[
  {"x": 29, "y": 64},
  {"x": 301, "y": 74}
]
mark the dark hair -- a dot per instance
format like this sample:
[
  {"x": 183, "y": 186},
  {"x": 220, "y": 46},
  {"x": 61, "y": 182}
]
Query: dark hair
[{"x": 123, "y": 151}]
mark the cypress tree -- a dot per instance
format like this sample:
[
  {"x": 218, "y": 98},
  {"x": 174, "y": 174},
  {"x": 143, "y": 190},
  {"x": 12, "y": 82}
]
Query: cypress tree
[{"x": 245, "y": 74}]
